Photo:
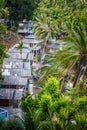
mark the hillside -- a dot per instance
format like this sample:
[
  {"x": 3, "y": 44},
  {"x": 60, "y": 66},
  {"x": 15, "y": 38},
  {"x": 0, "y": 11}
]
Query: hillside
[{"x": 10, "y": 40}]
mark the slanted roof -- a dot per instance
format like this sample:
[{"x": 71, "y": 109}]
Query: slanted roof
[
  {"x": 32, "y": 36},
  {"x": 12, "y": 63},
  {"x": 17, "y": 69},
  {"x": 31, "y": 39},
  {"x": 9, "y": 93},
  {"x": 20, "y": 72},
  {"x": 18, "y": 94},
  {"x": 18, "y": 56},
  {"x": 15, "y": 50},
  {"x": 14, "y": 80},
  {"x": 6, "y": 93},
  {"x": 15, "y": 64},
  {"x": 14, "y": 53},
  {"x": 36, "y": 47},
  {"x": 27, "y": 41},
  {"x": 54, "y": 45}
]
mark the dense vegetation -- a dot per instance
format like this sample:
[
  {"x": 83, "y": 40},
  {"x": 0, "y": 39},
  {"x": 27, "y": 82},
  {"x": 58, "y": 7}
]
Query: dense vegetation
[
  {"x": 52, "y": 109},
  {"x": 59, "y": 17},
  {"x": 21, "y": 9},
  {"x": 3, "y": 15},
  {"x": 13, "y": 124}
]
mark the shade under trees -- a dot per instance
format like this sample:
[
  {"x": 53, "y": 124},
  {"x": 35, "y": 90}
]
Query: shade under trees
[{"x": 21, "y": 9}]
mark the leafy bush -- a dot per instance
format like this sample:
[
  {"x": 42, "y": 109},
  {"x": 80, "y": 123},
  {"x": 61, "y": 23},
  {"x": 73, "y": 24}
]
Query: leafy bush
[
  {"x": 13, "y": 124},
  {"x": 1, "y": 123}
]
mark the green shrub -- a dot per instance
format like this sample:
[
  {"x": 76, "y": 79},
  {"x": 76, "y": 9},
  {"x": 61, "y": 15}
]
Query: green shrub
[
  {"x": 1, "y": 123},
  {"x": 14, "y": 124}
]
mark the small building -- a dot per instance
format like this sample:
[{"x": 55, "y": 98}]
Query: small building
[
  {"x": 25, "y": 27},
  {"x": 9, "y": 96},
  {"x": 14, "y": 53},
  {"x": 56, "y": 45},
  {"x": 33, "y": 43},
  {"x": 16, "y": 71},
  {"x": 14, "y": 82}
]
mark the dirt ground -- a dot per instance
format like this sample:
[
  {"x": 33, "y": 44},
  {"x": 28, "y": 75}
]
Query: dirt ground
[{"x": 10, "y": 40}]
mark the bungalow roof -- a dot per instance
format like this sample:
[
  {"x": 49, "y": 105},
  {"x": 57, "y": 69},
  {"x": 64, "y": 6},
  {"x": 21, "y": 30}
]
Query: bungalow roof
[
  {"x": 18, "y": 56},
  {"x": 17, "y": 72},
  {"x": 14, "y": 80},
  {"x": 9, "y": 93},
  {"x": 15, "y": 64}
]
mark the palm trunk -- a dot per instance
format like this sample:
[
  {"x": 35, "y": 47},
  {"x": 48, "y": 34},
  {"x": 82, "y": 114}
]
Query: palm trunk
[
  {"x": 44, "y": 48},
  {"x": 21, "y": 56},
  {"x": 21, "y": 53},
  {"x": 45, "y": 44},
  {"x": 63, "y": 86},
  {"x": 78, "y": 75},
  {"x": 52, "y": 125}
]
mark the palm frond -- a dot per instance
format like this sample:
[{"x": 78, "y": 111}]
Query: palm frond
[{"x": 45, "y": 125}]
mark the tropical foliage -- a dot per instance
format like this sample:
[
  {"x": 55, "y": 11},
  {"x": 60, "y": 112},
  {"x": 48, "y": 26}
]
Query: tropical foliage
[
  {"x": 55, "y": 20},
  {"x": 13, "y": 124},
  {"x": 20, "y": 47},
  {"x": 3, "y": 15},
  {"x": 21, "y": 9},
  {"x": 51, "y": 110},
  {"x": 60, "y": 16}
]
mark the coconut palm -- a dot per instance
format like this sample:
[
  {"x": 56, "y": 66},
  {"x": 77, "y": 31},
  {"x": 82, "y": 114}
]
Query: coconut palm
[
  {"x": 20, "y": 47},
  {"x": 43, "y": 30},
  {"x": 33, "y": 116},
  {"x": 42, "y": 27},
  {"x": 73, "y": 57}
]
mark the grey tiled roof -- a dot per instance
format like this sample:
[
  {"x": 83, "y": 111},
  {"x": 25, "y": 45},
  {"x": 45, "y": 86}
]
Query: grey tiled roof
[
  {"x": 18, "y": 56},
  {"x": 15, "y": 50},
  {"x": 57, "y": 44},
  {"x": 18, "y": 95},
  {"x": 32, "y": 36},
  {"x": 16, "y": 64},
  {"x": 20, "y": 72},
  {"x": 8, "y": 94},
  {"x": 27, "y": 41},
  {"x": 14, "y": 80},
  {"x": 15, "y": 53},
  {"x": 54, "y": 46},
  {"x": 16, "y": 68},
  {"x": 11, "y": 60},
  {"x": 26, "y": 65}
]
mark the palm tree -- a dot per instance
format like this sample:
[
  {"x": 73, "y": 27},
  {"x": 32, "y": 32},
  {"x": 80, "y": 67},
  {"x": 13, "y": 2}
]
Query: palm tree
[
  {"x": 68, "y": 59},
  {"x": 43, "y": 29},
  {"x": 73, "y": 57},
  {"x": 71, "y": 61},
  {"x": 32, "y": 117},
  {"x": 20, "y": 47}
]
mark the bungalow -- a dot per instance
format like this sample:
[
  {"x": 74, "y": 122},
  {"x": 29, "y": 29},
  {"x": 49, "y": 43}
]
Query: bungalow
[
  {"x": 10, "y": 97},
  {"x": 33, "y": 43},
  {"x": 24, "y": 27}
]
